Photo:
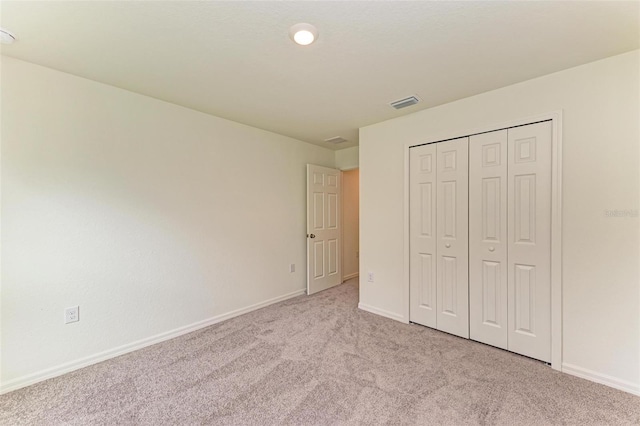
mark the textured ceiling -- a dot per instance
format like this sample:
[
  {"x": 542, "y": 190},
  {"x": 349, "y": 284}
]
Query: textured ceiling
[{"x": 235, "y": 59}]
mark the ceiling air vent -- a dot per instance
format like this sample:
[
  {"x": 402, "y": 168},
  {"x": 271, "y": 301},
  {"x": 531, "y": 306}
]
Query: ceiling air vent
[
  {"x": 406, "y": 102},
  {"x": 336, "y": 140}
]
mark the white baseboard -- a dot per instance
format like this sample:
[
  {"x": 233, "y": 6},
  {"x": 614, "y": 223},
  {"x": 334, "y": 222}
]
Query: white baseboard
[
  {"x": 382, "y": 312},
  {"x": 59, "y": 370},
  {"x": 604, "y": 379},
  {"x": 348, "y": 277}
]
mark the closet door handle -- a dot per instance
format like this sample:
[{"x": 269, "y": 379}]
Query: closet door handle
[
  {"x": 492, "y": 248},
  {"x": 447, "y": 245}
]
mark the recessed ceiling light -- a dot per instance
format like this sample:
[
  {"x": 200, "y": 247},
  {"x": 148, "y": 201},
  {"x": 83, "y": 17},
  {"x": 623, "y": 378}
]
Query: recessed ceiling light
[
  {"x": 6, "y": 37},
  {"x": 303, "y": 34}
]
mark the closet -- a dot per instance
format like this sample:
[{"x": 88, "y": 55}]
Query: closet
[{"x": 480, "y": 238}]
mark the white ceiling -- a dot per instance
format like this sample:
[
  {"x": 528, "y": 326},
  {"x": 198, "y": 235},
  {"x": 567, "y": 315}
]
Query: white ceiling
[{"x": 235, "y": 59}]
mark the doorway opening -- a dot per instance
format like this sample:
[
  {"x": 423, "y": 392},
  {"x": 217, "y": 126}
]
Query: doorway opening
[{"x": 351, "y": 224}]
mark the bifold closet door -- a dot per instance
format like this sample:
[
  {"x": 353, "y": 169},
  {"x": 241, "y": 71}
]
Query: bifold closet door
[
  {"x": 422, "y": 235},
  {"x": 438, "y": 229},
  {"x": 480, "y": 238},
  {"x": 488, "y": 238},
  {"x": 452, "y": 239},
  {"x": 529, "y": 235}
]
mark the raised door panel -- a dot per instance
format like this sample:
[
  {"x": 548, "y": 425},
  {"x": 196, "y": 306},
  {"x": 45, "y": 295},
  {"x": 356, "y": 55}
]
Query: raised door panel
[
  {"x": 452, "y": 237},
  {"x": 488, "y": 238},
  {"x": 524, "y": 296},
  {"x": 422, "y": 235},
  {"x": 449, "y": 215},
  {"x": 426, "y": 284},
  {"x": 318, "y": 259},
  {"x": 449, "y": 286},
  {"x": 492, "y": 293},
  {"x": 332, "y": 211},
  {"x": 524, "y": 223},
  {"x": 529, "y": 242},
  {"x": 332, "y": 259},
  {"x": 426, "y": 197},
  {"x": 318, "y": 211}
]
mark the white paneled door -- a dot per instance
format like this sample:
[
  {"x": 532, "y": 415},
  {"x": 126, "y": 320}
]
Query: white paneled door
[
  {"x": 422, "y": 205},
  {"x": 438, "y": 236},
  {"x": 323, "y": 228},
  {"x": 529, "y": 233},
  {"x": 488, "y": 238},
  {"x": 480, "y": 238},
  {"x": 452, "y": 240}
]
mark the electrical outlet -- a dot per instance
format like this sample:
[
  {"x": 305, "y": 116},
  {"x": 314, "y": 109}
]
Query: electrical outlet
[
  {"x": 72, "y": 314},
  {"x": 292, "y": 267},
  {"x": 370, "y": 277}
]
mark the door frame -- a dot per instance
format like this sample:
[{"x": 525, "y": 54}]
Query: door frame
[{"x": 556, "y": 216}]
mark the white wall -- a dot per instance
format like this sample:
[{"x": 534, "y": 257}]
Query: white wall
[
  {"x": 347, "y": 159},
  {"x": 148, "y": 215},
  {"x": 601, "y": 139},
  {"x": 350, "y": 223}
]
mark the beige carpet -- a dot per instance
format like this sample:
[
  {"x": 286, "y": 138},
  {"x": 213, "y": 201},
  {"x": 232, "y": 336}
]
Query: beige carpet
[{"x": 318, "y": 360}]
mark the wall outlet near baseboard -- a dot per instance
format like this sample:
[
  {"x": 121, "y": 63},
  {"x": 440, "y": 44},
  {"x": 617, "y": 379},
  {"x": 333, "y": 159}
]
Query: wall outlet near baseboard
[
  {"x": 370, "y": 277},
  {"x": 72, "y": 314}
]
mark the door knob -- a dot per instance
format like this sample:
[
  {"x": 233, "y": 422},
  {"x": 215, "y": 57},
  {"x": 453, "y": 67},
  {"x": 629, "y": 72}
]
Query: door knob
[
  {"x": 492, "y": 248},
  {"x": 447, "y": 245},
  {"x": 311, "y": 235}
]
